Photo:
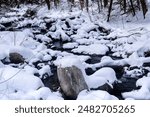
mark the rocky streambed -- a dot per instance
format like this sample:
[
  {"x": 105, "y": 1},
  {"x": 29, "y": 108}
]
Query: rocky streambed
[{"x": 72, "y": 35}]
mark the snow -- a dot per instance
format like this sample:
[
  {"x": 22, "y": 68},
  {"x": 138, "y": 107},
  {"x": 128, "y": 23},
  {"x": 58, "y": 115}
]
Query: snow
[
  {"x": 15, "y": 38},
  {"x": 30, "y": 70},
  {"x": 127, "y": 39},
  {"x": 1, "y": 64},
  {"x": 47, "y": 57},
  {"x": 19, "y": 42},
  {"x": 98, "y": 49},
  {"x": 70, "y": 45},
  {"x": 18, "y": 79},
  {"x": 44, "y": 70},
  {"x": 43, "y": 38},
  {"x": 95, "y": 95},
  {"x": 44, "y": 94},
  {"x": 70, "y": 61},
  {"x": 26, "y": 53},
  {"x": 100, "y": 77},
  {"x": 18, "y": 84}
]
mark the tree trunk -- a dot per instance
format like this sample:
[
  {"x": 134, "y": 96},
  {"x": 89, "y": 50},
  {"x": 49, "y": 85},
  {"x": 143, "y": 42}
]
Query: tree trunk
[
  {"x": 98, "y": 3},
  {"x": 48, "y": 4},
  {"x": 56, "y": 2},
  {"x": 82, "y": 4},
  {"x": 124, "y": 5},
  {"x": 132, "y": 7},
  {"x": 109, "y": 10},
  {"x": 138, "y": 4},
  {"x": 87, "y": 5},
  {"x": 144, "y": 7},
  {"x": 105, "y": 3}
]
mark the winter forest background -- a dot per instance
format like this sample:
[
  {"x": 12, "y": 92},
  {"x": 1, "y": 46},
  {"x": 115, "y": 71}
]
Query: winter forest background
[{"x": 74, "y": 49}]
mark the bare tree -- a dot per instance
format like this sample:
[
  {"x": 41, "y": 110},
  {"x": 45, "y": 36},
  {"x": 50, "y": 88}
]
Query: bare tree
[
  {"x": 48, "y": 4},
  {"x": 109, "y": 10},
  {"x": 144, "y": 7}
]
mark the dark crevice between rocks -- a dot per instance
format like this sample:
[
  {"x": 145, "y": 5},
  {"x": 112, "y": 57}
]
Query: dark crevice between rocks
[
  {"x": 52, "y": 81},
  {"x": 49, "y": 81}
]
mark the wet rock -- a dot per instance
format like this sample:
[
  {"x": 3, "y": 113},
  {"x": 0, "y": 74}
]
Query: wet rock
[
  {"x": 67, "y": 24},
  {"x": 30, "y": 13},
  {"x": 147, "y": 54},
  {"x": 49, "y": 24},
  {"x": 105, "y": 31},
  {"x": 89, "y": 71},
  {"x": 52, "y": 82},
  {"x": 16, "y": 58},
  {"x": 71, "y": 81}
]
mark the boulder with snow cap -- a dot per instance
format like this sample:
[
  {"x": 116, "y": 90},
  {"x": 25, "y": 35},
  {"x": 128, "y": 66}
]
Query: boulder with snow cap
[
  {"x": 101, "y": 77},
  {"x": 71, "y": 77}
]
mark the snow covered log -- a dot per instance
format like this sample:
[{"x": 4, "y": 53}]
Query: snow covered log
[{"x": 71, "y": 77}]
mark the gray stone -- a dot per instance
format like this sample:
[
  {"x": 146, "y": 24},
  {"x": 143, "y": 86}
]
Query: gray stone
[
  {"x": 16, "y": 58},
  {"x": 71, "y": 81}
]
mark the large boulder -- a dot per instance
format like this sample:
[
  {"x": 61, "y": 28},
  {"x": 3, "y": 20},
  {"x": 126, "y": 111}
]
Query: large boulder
[{"x": 71, "y": 78}]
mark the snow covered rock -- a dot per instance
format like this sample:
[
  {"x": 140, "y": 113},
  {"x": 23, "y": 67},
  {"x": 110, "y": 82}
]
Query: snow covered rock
[
  {"x": 100, "y": 77},
  {"x": 70, "y": 45},
  {"x": 71, "y": 77},
  {"x": 95, "y": 95},
  {"x": 98, "y": 49},
  {"x": 26, "y": 53},
  {"x": 44, "y": 93},
  {"x": 13, "y": 80}
]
